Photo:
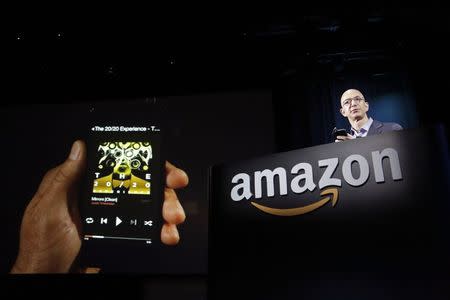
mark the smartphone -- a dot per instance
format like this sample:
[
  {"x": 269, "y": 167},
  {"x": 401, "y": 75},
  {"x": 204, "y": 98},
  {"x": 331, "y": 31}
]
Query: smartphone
[
  {"x": 121, "y": 207},
  {"x": 337, "y": 132}
]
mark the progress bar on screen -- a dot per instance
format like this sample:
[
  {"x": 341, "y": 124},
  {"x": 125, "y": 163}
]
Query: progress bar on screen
[{"x": 87, "y": 237}]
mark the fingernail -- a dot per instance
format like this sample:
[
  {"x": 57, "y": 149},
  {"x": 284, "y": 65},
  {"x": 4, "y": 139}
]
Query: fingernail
[
  {"x": 182, "y": 173},
  {"x": 75, "y": 152},
  {"x": 185, "y": 175}
]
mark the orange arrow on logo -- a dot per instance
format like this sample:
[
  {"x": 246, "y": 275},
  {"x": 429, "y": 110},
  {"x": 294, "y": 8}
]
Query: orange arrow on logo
[{"x": 288, "y": 212}]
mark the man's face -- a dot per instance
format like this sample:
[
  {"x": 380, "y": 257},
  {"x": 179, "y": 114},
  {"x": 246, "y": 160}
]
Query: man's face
[{"x": 353, "y": 105}]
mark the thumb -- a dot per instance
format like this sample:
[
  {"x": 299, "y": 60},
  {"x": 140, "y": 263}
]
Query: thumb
[{"x": 71, "y": 170}]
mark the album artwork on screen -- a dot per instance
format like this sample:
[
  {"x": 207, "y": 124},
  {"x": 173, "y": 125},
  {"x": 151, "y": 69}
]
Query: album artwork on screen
[{"x": 123, "y": 190}]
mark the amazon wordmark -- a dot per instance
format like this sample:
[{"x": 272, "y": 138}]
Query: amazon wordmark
[{"x": 303, "y": 179}]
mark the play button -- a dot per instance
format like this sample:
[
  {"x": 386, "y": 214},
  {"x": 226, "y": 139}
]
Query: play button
[{"x": 118, "y": 221}]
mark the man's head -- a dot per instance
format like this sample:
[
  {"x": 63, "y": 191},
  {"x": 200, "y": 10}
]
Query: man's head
[{"x": 353, "y": 105}]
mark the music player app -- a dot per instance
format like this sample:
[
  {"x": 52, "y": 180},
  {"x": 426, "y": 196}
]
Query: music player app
[{"x": 123, "y": 192}]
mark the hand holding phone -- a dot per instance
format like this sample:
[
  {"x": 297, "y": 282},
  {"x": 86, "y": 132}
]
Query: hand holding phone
[
  {"x": 129, "y": 208},
  {"x": 338, "y": 132},
  {"x": 121, "y": 207},
  {"x": 124, "y": 183}
]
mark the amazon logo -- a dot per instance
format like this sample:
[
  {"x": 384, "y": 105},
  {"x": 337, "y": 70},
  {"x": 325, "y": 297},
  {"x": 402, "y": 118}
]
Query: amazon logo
[{"x": 300, "y": 179}]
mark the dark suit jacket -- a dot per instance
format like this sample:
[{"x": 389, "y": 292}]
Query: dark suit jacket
[{"x": 378, "y": 127}]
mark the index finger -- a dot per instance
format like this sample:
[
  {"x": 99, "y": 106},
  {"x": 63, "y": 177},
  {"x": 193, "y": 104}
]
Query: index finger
[{"x": 175, "y": 177}]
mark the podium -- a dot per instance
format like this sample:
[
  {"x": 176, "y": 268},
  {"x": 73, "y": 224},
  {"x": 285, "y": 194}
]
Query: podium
[{"x": 377, "y": 207}]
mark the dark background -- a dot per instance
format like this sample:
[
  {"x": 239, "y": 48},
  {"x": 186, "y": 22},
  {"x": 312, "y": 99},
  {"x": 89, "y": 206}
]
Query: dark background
[
  {"x": 305, "y": 56},
  {"x": 395, "y": 53}
]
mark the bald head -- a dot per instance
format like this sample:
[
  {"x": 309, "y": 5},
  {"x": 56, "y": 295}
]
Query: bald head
[
  {"x": 354, "y": 106},
  {"x": 351, "y": 93}
]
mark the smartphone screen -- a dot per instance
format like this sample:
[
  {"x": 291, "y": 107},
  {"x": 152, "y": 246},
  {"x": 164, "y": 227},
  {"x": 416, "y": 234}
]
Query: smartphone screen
[{"x": 124, "y": 184}]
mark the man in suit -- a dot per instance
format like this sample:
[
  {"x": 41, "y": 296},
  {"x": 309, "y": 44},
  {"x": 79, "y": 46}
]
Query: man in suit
[{"x": 355, "y": 107}]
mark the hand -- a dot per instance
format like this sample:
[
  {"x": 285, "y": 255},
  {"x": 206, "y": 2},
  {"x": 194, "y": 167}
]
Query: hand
[
  {"x": 341, "y": 138},
  {"x": 50, "y": 235}
]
